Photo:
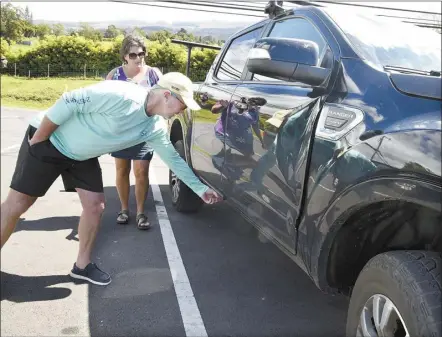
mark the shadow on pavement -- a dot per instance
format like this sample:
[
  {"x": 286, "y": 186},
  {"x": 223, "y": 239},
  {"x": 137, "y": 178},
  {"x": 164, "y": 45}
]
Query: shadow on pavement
[
  {"x": 19, "y": 289},
  {"x": 51, "y": 224}
]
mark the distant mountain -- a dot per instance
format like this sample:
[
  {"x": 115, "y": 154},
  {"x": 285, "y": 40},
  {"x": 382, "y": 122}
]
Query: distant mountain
[
  {"x": 218, "y": 33},
  {"x": 218, "y": 29}
]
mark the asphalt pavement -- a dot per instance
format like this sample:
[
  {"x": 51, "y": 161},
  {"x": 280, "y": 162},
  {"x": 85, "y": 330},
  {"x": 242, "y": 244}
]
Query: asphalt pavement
[{"x": 206, "y": 274}]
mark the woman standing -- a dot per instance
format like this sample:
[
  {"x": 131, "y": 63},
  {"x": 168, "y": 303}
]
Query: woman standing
[{"x": 133, "y": 51}]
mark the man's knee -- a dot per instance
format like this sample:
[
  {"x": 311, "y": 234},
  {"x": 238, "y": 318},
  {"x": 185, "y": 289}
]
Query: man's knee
[
  {"x": 95, "y": 207},
  {"x": 93, "y": 203}
]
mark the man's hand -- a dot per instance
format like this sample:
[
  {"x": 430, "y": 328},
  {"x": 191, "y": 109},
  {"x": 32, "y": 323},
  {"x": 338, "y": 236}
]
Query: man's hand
[
  {"x": 43, "y": 132},
  {"x": 211, "y": 197}
]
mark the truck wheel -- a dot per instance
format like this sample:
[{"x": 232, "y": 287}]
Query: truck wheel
[
  {"x": 397, "y": 293},
  {"x": 183, "y": 198}
]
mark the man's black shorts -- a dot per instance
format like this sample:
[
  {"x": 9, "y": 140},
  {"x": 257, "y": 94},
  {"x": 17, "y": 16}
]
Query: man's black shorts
[{"x": 39, "y": 165}]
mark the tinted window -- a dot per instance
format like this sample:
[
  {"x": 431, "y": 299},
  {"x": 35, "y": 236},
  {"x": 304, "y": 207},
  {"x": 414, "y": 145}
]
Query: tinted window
[
  {"x": 383, "y": 41},
  {"x": 296, "y": 28},
  {"x": 235, "y": 58}
]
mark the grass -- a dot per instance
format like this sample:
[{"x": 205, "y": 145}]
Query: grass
[
  {"x": 38, "y": 93},
  {"x": 206, "y": 116},
  {"x": 16, "y": 47}
]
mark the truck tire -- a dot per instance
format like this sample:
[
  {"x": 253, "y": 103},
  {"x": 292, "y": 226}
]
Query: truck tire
[
  {"x": 409, "y": 283},
  {"x": 183, "y": 198}
]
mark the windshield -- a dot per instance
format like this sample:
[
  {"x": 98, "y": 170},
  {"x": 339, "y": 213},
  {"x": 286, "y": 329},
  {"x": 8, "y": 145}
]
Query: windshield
[{"x": 384, "y": 41}]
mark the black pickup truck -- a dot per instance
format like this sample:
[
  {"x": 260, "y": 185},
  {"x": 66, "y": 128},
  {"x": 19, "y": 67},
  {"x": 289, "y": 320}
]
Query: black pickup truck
[{"x": 323, "y": 128}]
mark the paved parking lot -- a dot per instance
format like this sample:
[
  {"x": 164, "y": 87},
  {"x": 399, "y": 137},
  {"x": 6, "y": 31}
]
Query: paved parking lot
[{"x": 210, "y": 274}]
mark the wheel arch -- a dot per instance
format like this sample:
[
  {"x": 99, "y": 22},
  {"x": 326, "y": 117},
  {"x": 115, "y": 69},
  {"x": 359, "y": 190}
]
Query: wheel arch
[
  {"x": 349, "y": 222},
  {"x": 177, "y": 132}
]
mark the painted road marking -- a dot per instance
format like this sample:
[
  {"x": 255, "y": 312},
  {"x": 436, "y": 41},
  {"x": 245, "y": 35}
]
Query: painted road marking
[
  {"x": 193, "y": 323},
  {"x": 6, "y": 149}
]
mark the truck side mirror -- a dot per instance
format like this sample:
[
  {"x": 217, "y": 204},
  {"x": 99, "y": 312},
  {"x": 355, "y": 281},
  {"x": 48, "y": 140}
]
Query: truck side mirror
[{"x": 292, "y": 60}]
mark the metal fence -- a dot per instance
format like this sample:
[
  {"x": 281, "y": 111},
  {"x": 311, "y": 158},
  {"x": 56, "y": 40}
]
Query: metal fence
[{"x": 81, "y": 71}]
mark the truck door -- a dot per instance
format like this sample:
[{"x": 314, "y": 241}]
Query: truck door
[
  {"x": 214, "y": 96},
  {"x": 270, "y": 125}
]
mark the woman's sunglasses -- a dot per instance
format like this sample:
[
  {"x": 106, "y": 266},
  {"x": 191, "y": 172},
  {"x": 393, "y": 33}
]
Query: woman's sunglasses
[{"x": 133, "y": 56}]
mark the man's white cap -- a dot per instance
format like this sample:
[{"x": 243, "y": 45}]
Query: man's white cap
[{"x": 181, "y": 85}]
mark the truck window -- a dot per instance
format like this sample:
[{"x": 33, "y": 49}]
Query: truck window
[
  {"x": 295, "y": 28},
  {"x": 234, "y": 61}
]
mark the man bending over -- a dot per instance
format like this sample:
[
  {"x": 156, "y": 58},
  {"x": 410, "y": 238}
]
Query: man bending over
[{"x": 82, "y": 125}]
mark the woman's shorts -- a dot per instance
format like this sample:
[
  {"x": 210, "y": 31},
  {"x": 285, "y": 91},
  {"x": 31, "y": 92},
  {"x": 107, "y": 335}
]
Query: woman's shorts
[{"x": 138, "y": 152}]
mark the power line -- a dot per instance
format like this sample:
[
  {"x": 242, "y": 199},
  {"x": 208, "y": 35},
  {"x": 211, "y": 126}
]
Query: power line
[
  {"x": 255, "y": 4},
  {"x": 249, "y": 4},
  {"x": 188, "y": 9},
  {"x": 377, "y": 7},
  {"x": 408, "y": 18},
  {"x": 198, "y": 3},
  {"x": 424, "y": 24}
]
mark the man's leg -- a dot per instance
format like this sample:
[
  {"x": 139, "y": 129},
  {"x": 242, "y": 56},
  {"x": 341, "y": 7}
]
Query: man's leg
[
  {"x": 12, "y": 208},
  {"x": 123, "y": 167},
  {"x": 88, "y": 181},
  {"x": 31, "y": 179},
  {"x": 93, "y": 208},
  {"x": 141, "y": 170}
]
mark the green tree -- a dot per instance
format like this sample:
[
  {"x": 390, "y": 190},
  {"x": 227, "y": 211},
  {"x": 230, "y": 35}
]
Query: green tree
[
  {"x": 112, "y": 32},
  {"x": 200, "y": 63},
  {"x": 161, "y": 36},
  {"x": 12, "y": 24},
  {"x": 89, "y": 32},
  {"x": 28, "y": 15},
  {"x": 29, "y": 30},
  {"x": 4, "y": 48},
  {"x": 58, "y": 29},
  {"x": 182, "y": 34},
  {"x": 170, "y": 57},
  {"x": 42, "y": 30}
]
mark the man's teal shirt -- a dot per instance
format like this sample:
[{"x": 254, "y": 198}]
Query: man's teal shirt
[{"x": 110, "y": 116}]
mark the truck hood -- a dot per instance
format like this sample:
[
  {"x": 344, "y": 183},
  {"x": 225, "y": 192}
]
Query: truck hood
[{"x": 418, "y": 85}]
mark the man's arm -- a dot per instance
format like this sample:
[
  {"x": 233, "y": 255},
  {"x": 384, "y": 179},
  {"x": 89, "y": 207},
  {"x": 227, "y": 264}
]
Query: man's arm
[
  {"x": 165, "y": 149},
  {"x": 44, "y": 131}
]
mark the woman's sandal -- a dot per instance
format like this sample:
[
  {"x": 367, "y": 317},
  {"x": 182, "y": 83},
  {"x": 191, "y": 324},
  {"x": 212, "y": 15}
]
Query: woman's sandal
[
  {"x": 142, "y": 222},
  {"x": 123, "y": 217}
]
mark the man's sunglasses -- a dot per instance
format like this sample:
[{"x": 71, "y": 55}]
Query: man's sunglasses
[
  {"x": 133, "y": 56},
  {"x": 178, "y": 97}
]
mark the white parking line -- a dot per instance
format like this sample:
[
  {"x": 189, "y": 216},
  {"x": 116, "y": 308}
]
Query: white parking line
[
  {"x": 193, "y": 323},
  {"x": 10, "y": 148}
]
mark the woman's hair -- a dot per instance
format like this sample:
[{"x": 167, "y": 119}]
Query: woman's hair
[{"x": 131, "y": 41}]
